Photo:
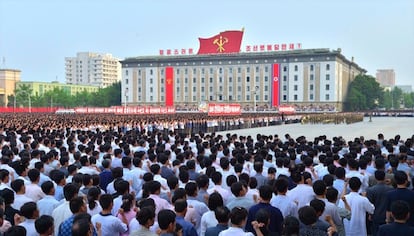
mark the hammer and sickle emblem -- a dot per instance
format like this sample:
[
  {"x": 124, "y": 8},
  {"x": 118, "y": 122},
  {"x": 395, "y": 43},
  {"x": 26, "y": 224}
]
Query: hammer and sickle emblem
[
  {"x": 220, "y": 43},
  {"x": 169, "y": 81}
]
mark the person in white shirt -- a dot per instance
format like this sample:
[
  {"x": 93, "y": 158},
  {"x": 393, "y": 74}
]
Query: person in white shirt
[
  {"x": 238, "y": 217},
  {"x": 33, "y": 190},
  {"x": 111, "y": 225},
  {"x": 31, "y": 213},
  {"x": 47, "y": 204},
  {"x": 217, "y": 179},
  {"x": 360, "y": 206},
  {"x": 62, "y": 212},
  {"x": 283, "y": 202},
  {"x": 19, "y": 197},
  {"x": 303, "y": 193},
  {"x": 5, "y": 179},
  {"x": 86, "y": 168},
  {"x": 209, "y": 218}
]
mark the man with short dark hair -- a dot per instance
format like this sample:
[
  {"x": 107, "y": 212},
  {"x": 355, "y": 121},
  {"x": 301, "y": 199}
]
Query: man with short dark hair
[
  {"x": 33, "y": 190},
  {"x": 44, "y": 225},
  {"x": 276, "y": 217},
  {"x": 281, "y": 201},
  {"x": 400, "y": 193},
  {"x": 239, "y": 190},
  {"x": 19, "y": 198},
  {"x": 31, "y": 213},
  {"x": 180, "y": 207},
  {"x": 77, "y": 206},
  {"x": 222, "y": 214},
  {"x": 400, "y": 212},
  {"x": 238, "y": 221},
  {"x": 166, "y": 222},
  {"x": 146, "y": 218},
  {"x": 377, "y": 195},
  {"x": 360, "y": 206},
  {"x": 63, "y": 212},
  {"x": 111, "y": 225}
]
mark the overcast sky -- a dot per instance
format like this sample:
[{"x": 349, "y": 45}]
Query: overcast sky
[{"x": 36, "y": 36}]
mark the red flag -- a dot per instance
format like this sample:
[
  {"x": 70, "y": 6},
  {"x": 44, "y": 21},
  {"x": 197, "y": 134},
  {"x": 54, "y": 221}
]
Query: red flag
[
  {"x": 275, "y": 85},
  {"x": 224, "y": 42},
  {"x": 169, "y": 86}
]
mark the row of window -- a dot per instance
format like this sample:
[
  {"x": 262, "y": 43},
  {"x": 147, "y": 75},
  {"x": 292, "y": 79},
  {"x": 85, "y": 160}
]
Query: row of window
[
  {"x": 295, "y": 87},
  {"x": 230, "y": 70},
  {"x": 230, "y": 79},
  {"x": 311, "y": 97},
  {"x": 203, "y": 98}
]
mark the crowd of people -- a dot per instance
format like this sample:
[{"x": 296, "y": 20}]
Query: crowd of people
[{"x": 103, "y": 175}]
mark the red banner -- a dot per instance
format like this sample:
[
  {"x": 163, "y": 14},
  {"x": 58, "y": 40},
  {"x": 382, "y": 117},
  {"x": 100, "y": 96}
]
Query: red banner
[
  {"x": 121, "y": 110},
  {"x": 287, "y": 109},
  {"x": 169, "y": 86},
  {"x": 28, "y": 110},
  {"x": 275, "y": 86},
  {"x": 223, "y": 109},
  {"x": 224, "y": 42}
]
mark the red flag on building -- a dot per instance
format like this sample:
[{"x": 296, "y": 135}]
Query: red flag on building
[
  {"x": 169, "y": 86},
  {"x": 224, "y": 42},
  {"x": 275, "y": 86}
]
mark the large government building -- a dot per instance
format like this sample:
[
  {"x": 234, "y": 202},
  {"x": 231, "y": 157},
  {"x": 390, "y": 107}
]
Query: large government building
[{"x": 301, "y": 78}]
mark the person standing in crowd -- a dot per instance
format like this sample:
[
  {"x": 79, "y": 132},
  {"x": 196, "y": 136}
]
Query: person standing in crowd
[
  {"x": 360, "y": 206},
  {"x": 400, "y": 211},
  {"x": 238, "y": 217},
  {"x": 111, "y": 225},
  {"x": 377, "y": 195},
  {"x": 276, "y": 217}
]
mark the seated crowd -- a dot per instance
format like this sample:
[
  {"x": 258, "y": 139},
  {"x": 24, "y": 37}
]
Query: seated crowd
[{"x": 66, "y": 181}]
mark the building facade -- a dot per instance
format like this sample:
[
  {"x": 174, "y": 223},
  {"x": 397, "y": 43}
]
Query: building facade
[
  {"x": 95, "y": 69},
  {"x": 8, "y": 80},
  {"x": 386, "y": 78},
  {"x": 301, "y": 78},
  {"x": 40, "y": 88}
]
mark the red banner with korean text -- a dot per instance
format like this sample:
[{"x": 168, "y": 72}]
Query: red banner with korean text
[
  {"x": 287, "y": 109},
  {"x": 275, "y": 86},
  {"x": 215, "y": 109},
  {"x": 224, "y": 42},
  {"x": 129, "y": 110},
  {"x": 169, "y": 86}
]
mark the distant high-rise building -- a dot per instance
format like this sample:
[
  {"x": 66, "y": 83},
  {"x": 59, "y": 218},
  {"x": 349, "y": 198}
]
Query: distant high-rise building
[
  {"x": 386, "y": 77},
  {"x": 95, "y": 69},
  {"x": 8, "y": 79}
]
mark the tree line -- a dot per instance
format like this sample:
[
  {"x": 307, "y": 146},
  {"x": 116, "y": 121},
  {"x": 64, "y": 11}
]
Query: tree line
[
  {"x": 364, "y": 94},
  {"x": 104, "y": 97}
]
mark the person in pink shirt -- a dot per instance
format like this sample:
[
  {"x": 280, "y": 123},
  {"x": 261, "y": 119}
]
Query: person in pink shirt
[
  {"x": 33, "y": 190},
  {"x": 127, "y": 210},
  {"x": 154, "y": 188}
]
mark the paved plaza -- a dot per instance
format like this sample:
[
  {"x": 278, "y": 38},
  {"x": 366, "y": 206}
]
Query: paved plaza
[{"x": 389, "y": 126}]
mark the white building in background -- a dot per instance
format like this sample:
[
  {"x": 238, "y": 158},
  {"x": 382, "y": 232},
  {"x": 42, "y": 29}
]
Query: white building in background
[
  {"x": 302, "y": 78},
  {"x": 96, "y": 69}
]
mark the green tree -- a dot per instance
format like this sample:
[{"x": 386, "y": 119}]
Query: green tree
[
  {"x": 364, "y": 94},
  {"x": 23, "y": 95},
  {"x": 396, "y": 97},
  {"x": 408, "y": 100}
]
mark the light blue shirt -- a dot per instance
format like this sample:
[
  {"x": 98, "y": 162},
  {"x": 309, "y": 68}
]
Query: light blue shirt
[
  {"x": 245, "y": 202},
  {"x": 47, "y": 204},
  {"x": 111, "y": 225}
]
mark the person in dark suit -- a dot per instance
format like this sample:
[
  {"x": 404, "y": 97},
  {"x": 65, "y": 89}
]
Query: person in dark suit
[
  {"x": 400, "y": 213},
  {"x": 377, "y": 195},
  {"x": 222, "y": 214},
  {"x": 276, "y": 217}
]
